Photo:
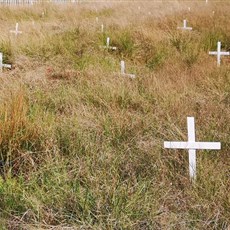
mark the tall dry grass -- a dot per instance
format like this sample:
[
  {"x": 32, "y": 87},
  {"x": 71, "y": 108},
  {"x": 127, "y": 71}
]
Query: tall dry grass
[{"x": 82, "y": 147}]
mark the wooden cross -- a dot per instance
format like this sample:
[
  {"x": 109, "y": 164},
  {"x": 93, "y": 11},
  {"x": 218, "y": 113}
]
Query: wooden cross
[
  {"x": 219, "y": 53},
  {"x": 184, "y": 26},
  {"x": 123, "y": 71},
  {"x": 3, "y": 65},
  {"x": 192, "y": 146},
  {"x": 108, "y": 46},
  {"x": 16, "y": 31}
]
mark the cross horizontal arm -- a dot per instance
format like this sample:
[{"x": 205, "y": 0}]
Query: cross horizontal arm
[
  {"x": 6, "y": 65},
  {"x": 192, "y": 145},
  {"x": 129, "y": 75},
  {"x": 225, "y": 53},
  {"x": 221, "y": 53},
  {"x": 16, "y": 31},
  {"x": 213, "y": 53},
  {"x": 185, "y": 28}
]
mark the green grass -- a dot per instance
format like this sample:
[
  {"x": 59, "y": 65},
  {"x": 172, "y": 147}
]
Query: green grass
[{"x": 82, "y": 146}]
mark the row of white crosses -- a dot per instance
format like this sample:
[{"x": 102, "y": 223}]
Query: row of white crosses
[
  {"x": 123, "y": 73},
  {"x": 219, "y": 53},
  {"x": 192, "y": 146}
]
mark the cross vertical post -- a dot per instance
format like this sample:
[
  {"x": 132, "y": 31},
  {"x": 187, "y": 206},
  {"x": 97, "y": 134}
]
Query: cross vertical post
[
  {"x": 192, "y": 152},
  {"x": 185, "y": 23},
  {"x": 218, "y": 53},
  {"x": 122, "y": 67},
  {"x": 1, "y": 62},
  {"x": 107, "y": 42}
]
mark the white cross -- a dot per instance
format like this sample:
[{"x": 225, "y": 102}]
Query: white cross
[
  {"x": 16, "y": 31},
  {"x": 3, "y": 65},
  {"x": 108, "y": 46},
  {"x": 96, "y": 19},
  {"x": 192, "y": 146},
  {"x": 184, "y": 26},
  {"x": 219, "y": 53},
  {"x": 123, "y": 71}
]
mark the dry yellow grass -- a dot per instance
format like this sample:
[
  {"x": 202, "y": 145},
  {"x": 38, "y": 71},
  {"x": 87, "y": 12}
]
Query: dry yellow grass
[{"x": 82, "y": 147}]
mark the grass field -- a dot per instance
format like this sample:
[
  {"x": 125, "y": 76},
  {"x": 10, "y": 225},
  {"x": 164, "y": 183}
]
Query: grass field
[{"x": 81, "y": 147}]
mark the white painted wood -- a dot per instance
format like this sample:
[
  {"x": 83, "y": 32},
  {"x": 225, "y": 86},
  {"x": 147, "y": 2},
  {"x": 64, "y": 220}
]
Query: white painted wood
[
  {"x": 108, "y": 46},
  {"x": 16, "y": 31},
  {"x": 97, "y": 19},
  {"x": 184, "y": 26},
  {"x": 192, "y": 146},
  {"x": 3, "y": 65},
  {"x": 102, "y": 28},
  {"x": 191, "y": 151},
  {"x": 107, "y": 42},
  {"x": 123, "y": 71},
  {"x": 122, "y": 67},
  {"x": 219, "y": 53}
]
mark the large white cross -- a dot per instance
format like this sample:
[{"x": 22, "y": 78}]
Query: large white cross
[
  {"x": 16, "y": 31},
  {"x": 192, "y": 146},
  {"x": 219, "y": 53},
  {"x": 185, "y": 26},
  {"x": 3, "y": 65},
  {"x": 123, "y": 71}
]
